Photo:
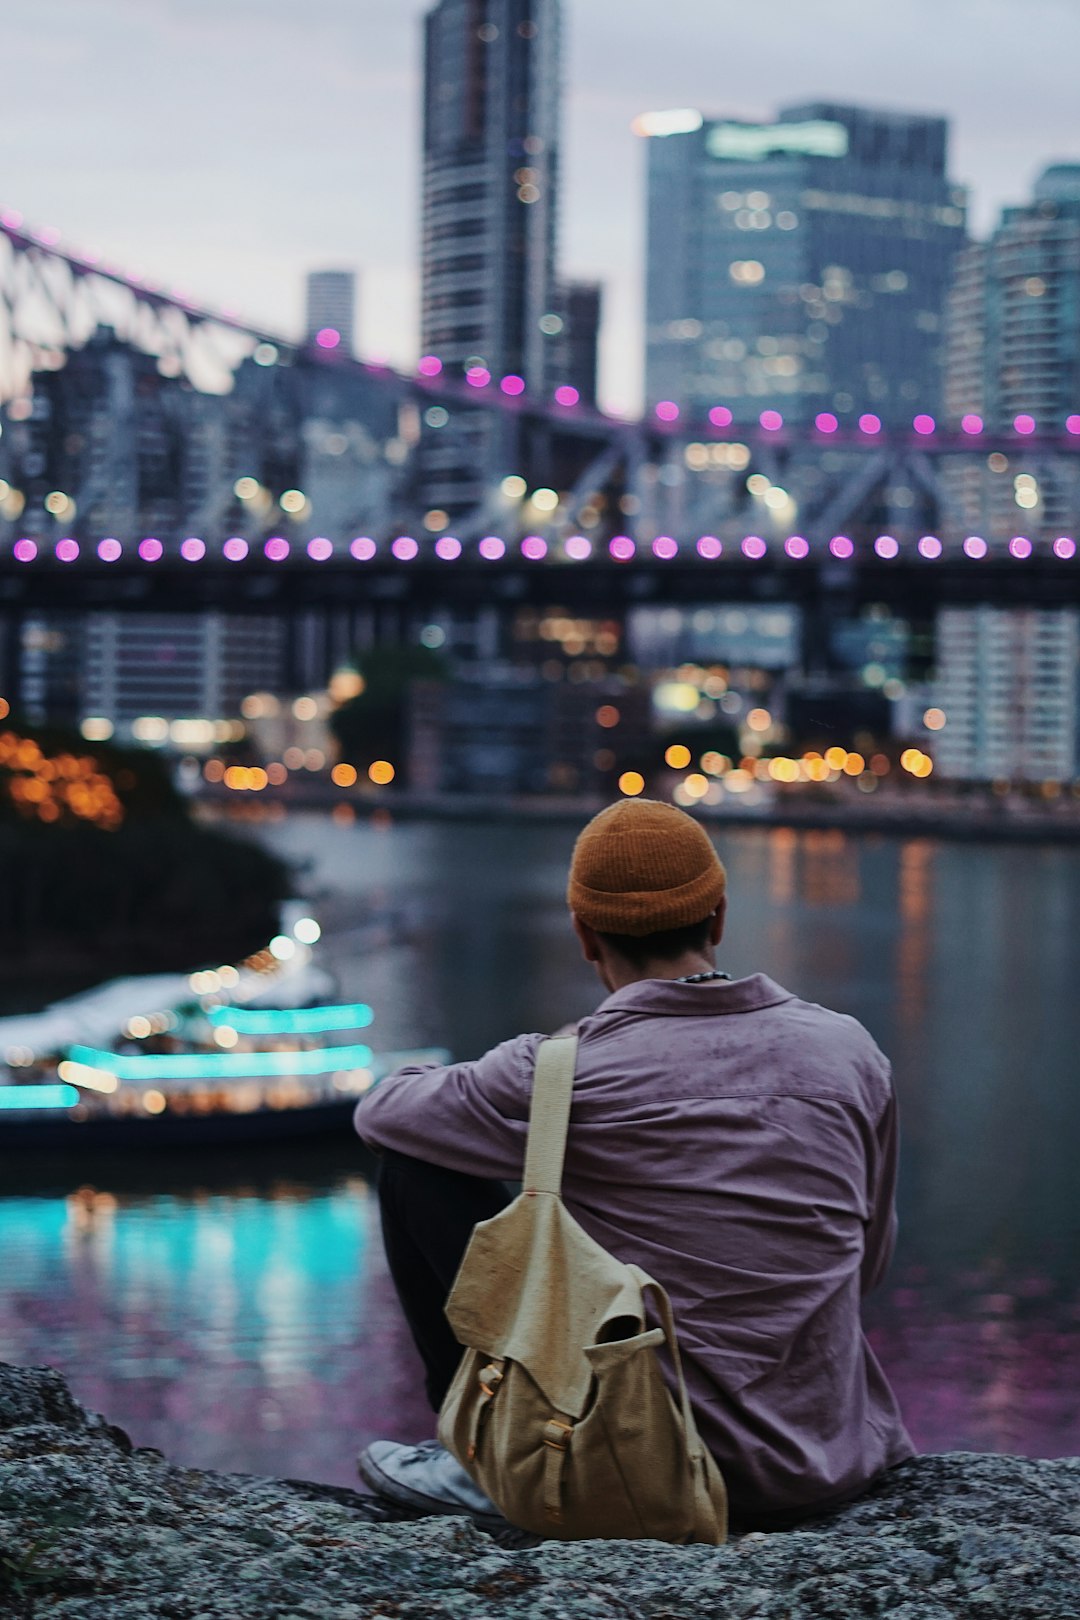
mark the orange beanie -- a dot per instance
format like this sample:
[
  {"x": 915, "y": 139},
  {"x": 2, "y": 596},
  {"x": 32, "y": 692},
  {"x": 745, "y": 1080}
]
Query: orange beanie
[{"x": 641, "y": 867}]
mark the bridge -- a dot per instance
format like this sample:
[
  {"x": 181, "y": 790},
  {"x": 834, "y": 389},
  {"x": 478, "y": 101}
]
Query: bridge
[{"x": 597, "y": 510}]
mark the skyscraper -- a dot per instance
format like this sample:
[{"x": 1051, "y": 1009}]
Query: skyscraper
[
  {"x": 331, "y": 308},
  {"x": 800, "y": 265},
  {"x": 1012, "y": 350},
  {"x": 490, "y": 194}
]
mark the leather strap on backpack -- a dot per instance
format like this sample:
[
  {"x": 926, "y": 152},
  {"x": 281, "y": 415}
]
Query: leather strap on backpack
[{"x": 549, "y": 1114}]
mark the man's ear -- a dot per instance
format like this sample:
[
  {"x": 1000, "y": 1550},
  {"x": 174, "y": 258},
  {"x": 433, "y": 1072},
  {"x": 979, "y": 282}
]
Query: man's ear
[
  {"x": 716, "y": 931},
  {"x": 590, "y": 945}
]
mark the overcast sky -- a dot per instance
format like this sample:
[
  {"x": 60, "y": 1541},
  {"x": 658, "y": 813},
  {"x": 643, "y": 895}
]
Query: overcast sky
[{"x": 227, "y": 146}]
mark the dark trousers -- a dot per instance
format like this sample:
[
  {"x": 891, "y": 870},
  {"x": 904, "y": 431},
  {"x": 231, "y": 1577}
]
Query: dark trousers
[{"x": 428, "y": 1214}]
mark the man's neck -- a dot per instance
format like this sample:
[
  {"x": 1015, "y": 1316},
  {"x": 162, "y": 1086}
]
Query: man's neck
[{"x": 618, "y": 973}]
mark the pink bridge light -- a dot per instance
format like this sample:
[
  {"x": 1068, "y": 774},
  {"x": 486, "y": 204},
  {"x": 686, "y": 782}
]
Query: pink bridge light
[
  {"x": 362, "y": 549},
  {"x": 710, "y": 547},
  {"x": 109, "y": 550},
  {"x": 565, "y": 395},
  {"x": 1064, "y": 547},
  {"x": 841, "y": 546},
  {"x": 276, "y": 548},
  {"x": 771, "y": 421},
  {"x": 234, "y": 549},
  {"x": 405, "y": 548},
  {"x": 975, "y": 547},
  {"x": 1072, "y": 424},
  {"x": 533, "y": 547},
  {"x": 754, "y": 547},
  {"x": 478, "y": 376},
  {"x": 24, "y": 550},
  {"x": 924, "y": 424},
  {"x": 622, "y": 548},
  {"x": 971, "y": 423},
  {"x": 930, "y": 547},
  {"x": 667, "y": 410},
  {"x": 448, "y": 548},
  {"x": 513, "y": 385},
  {"x": 869, "y": 423},
  {"x": 151, "y": 550},
  {"x": 1024, "y": 423},
  {"x": 826, "y": 422},
  {"x": 720, "y": 416},
  {"x": 796, "y": 546},
  {"x": 328, "y": 337},
  {"x": 320, "y": 549},
  {"x": 491, "y": 548},
  {"x": 578, "y": 547},
  {"x": 1020, "y": 547},
  {"x": 429, "y": 365},
  {"x": 192, "y": 550},
  {"x": 886, "y": 546},
  {"x": 664, "y": 547},
  {"x": 11, "y": 218},
  {"x": 67, "y": 550}
]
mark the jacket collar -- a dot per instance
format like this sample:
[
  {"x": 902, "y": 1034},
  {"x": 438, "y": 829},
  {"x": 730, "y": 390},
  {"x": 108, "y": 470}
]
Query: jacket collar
[{"x": 666, "y": 998}]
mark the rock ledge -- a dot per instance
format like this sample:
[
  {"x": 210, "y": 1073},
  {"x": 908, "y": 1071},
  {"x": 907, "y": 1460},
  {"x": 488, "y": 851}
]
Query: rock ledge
[{"x": 91, "y": 1529}]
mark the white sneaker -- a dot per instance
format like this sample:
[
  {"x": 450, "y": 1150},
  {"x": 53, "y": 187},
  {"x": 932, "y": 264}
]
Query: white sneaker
[{"x": 428, "y": 1479}]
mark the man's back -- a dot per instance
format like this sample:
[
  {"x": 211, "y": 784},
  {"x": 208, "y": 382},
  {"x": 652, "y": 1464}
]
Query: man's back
[{"x": 739, "y": 1145}]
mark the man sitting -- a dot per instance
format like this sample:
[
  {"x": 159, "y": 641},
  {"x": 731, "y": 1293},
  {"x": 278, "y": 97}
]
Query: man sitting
[{"x": 737, "y": 1143}]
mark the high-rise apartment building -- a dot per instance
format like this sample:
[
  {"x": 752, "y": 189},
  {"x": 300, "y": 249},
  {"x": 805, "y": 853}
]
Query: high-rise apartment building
[
  {"x": 578, "y": 306},
  {"x": 1012, "y": 349},
  {"x": 1007, "y": 682},
  {"x": 799, "y": 265},
  {"x": 490, "y": 195},
  {"x": 330, "y": 309}
]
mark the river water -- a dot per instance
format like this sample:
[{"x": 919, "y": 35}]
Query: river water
[{"x": 236, "y": 1312}]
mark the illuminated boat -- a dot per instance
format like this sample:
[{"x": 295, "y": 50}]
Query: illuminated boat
[{"x": 229, "y": 1055}]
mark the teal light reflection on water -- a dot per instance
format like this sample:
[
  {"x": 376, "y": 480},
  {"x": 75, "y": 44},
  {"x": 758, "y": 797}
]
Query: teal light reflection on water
[{"x": 248, "y": 1331}]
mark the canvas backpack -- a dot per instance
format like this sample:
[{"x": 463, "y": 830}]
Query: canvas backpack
[{"x": 558, "y": 1409}]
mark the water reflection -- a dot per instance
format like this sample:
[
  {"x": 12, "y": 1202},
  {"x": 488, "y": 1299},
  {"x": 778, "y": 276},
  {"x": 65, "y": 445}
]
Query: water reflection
[{"x": 249, "y": 1323}]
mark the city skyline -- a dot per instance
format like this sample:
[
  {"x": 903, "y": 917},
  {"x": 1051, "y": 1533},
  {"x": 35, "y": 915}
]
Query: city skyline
[{"x": 209, "y": 179}]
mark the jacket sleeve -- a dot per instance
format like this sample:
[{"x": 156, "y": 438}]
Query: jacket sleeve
[
  {"x": 472, "y": 1117},
  {"x": 881, "y": 1184}
]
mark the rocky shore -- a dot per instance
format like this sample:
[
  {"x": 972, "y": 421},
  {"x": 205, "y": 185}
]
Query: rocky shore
[{"x": 94, "y": 1529}]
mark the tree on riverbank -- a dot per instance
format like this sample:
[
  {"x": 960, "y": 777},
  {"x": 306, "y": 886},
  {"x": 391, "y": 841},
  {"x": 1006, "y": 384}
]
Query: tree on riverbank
[{"x": 374, "y": 724}]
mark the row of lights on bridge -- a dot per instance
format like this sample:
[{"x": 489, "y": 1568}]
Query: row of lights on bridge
[{"x": 533, "y": 548}]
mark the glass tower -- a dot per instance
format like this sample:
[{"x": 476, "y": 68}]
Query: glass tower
[{"x": 800, "y": 265}]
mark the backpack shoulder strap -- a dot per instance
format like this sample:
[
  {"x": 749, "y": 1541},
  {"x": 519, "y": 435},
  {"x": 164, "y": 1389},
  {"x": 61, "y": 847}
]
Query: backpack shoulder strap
[{"x": 549, "y": 1114}]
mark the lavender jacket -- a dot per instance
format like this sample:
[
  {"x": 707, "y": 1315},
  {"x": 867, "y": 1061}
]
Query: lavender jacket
[{"x": 741, "y": 1146}]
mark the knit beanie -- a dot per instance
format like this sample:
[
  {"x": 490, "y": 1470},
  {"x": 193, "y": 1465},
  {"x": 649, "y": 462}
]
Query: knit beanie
[{"x": 641, "y": 867}]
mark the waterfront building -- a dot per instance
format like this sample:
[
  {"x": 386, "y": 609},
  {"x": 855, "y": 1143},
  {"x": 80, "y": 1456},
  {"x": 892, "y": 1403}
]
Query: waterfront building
[
  {"x": 578, "y": 308},
  {"x": 330, "y": 309},
  {"x": 1007, "y": 685},
  {"x": 1012, "y": 350},
  {"x": 490, "y": 199},
  {"x": 174, "y": 677},
  {"x": 798, "y": 265}
]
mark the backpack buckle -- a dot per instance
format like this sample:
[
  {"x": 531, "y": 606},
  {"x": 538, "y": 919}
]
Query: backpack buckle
[{"x": 556, "y": 1434}]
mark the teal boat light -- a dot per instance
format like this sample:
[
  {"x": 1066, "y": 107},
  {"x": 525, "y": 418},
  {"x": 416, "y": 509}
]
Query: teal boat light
[
  {"x": 26, "y": 1097},
  {"x": 292, "y": 1020},
  {"x": 152, "y": 1067}
]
